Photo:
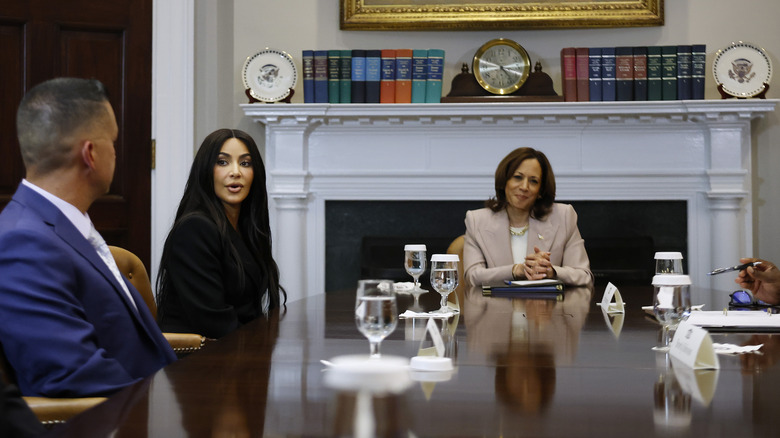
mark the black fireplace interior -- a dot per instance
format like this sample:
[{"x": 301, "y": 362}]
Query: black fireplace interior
[{"x": 365, "y": 239}]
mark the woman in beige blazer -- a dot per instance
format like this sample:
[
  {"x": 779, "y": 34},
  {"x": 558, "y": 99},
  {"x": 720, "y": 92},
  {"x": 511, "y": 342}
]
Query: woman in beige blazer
[{"x": 522, "y": 234}]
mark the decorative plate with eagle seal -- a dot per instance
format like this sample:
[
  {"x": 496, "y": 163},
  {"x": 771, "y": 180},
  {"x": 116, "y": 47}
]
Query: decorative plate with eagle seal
[
  {"x": 742, "y": 69},
  {"x": 269, "y": 75}
]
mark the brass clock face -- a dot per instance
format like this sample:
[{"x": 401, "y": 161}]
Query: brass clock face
[{"x": 501, "y": 66}]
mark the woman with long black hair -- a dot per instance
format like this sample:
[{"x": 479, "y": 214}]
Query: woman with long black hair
[{"x": 217, "y": 272}]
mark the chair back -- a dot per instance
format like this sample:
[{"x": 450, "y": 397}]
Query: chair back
[
  {"x": 456, "y": 247},
  {"x": 133, "y": 268}
]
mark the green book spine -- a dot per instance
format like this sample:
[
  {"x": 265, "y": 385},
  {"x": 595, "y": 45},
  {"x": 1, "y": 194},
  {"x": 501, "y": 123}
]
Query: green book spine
[
  {"x": 419, "y": 75},
  {"x": 334, "y": 76},
  {"x": 654, "y": 69},
  {"x": 345, "y": 85},
  {"x": 435, "y": 76},
  {"x": 669, "y": 72}
]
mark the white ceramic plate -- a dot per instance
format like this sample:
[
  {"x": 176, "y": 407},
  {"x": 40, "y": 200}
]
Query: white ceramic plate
[
  {"x": 269, "y": 75},
  {"x": 742, "y": 68},
  {"x": 388, "y": 374}
]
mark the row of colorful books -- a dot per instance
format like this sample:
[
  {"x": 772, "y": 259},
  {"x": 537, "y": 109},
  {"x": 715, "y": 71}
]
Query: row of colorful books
[
  {"x": 633, "y": 73},
  {"x": 373, "y": 76}
]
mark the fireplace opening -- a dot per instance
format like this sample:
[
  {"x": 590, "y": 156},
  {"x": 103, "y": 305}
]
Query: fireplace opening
[{"x": 365, "y": 239}]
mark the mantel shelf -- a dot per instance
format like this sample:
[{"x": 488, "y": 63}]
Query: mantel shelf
[{"x": 577, "y": 112}]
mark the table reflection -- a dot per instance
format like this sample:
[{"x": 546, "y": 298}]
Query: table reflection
[
  {"x": 225, "y": 402},
  {"x": 672, "y": 404},
  {"x": 526, "y": 339},
  {"x": 768, "y": 357},
  {"x": 523, "y": 368}
]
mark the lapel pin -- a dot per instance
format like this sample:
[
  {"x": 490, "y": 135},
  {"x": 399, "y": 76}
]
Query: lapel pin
[{"x": 540, "y": 237}]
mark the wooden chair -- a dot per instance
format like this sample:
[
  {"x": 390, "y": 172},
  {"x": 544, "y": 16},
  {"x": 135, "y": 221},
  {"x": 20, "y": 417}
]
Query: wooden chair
[
  {"x": 50, "y": 411},
  {"x": 133, "y": 268},
  {"x": 456, "y": 247}
]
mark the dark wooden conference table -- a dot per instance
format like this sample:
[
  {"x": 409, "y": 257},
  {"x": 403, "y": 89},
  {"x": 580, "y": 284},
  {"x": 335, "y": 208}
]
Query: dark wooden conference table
[{"x": 526, "y": 368}]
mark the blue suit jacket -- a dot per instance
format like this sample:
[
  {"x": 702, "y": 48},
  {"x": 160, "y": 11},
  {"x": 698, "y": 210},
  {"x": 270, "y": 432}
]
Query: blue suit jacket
[{"x": 66, "y": 326}]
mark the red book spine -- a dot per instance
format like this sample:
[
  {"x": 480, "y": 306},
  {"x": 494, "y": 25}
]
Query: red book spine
[
  {"x": 624, "y": 72},
  {"x": 583, "y": 74},
  {"x": 569, "y": 74},
  {"x": 403, "y": 76}
]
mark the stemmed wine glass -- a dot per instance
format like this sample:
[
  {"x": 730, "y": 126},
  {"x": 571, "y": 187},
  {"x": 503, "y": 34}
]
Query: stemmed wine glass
[
  {"x": 414, "y": 263},
  {"x": 376, "y": 311},
  {"x": 672, "y": 303},
  {"x": 444, "y": 276}
]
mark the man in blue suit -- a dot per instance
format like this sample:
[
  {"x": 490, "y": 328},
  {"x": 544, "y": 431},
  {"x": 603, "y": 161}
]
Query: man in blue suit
[{"x": 70, "y": 324}]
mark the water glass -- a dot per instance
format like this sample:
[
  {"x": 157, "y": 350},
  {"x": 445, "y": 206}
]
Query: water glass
[
  {"x": 376, "y": 311},
  {"x": 415, "y": 264},
  {"x": 668, "y": 263},
  {"x": 672, "y": 303},
  {"x": 444, "y": 276}
]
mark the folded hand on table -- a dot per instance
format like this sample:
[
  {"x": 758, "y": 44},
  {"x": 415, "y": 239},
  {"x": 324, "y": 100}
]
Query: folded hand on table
[{"x": 537, "y": 266}]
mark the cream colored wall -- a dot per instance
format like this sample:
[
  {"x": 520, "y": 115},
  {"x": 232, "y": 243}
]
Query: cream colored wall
[{"x": 295, "y": 25}]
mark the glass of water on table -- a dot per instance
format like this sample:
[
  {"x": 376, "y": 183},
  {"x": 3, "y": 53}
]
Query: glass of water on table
[{"x": 376, "y": 312}]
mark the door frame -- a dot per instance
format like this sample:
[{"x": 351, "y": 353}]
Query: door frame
[{"x": 173, "y": 114}]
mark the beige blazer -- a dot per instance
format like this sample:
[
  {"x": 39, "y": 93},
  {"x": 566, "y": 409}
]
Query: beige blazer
[{"x": 487, "y": 252}]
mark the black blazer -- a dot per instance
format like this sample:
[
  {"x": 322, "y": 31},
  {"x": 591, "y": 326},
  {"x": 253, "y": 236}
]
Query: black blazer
[{"x": 203, "y": 292}]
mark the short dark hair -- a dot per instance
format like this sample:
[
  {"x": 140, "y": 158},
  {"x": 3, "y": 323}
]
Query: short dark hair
[
  {"x": 507, "y": 167},
  {"x": 52, "y": 111}
]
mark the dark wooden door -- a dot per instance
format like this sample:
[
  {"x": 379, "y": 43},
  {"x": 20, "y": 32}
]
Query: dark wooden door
[{"x": 107, "y": 40}]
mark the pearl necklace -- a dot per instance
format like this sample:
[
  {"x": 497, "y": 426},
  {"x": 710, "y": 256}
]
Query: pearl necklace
[{"x": 520, "y": 233}]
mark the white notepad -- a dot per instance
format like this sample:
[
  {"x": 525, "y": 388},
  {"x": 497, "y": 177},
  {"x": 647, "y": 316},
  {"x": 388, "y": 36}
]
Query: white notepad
[{"x": 736, "y": 320}]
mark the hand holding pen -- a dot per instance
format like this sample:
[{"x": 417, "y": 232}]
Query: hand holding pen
[
  {"x": 741, "y": 267},
  {"x": 762, "y": 278}
]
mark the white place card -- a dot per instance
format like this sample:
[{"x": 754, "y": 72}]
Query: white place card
[
  {"x": 432, "y": 331},
  {"x": 692, "y": 346},
  {"x": 700, "y": 384},
  {"x": 606, "y": 301},
  {"x": 614, "y": 321}
]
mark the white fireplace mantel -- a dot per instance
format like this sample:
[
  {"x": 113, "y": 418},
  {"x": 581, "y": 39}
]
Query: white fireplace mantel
[{"x": 695, "y": 151}]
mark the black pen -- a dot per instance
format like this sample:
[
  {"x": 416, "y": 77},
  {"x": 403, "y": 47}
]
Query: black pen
[{"x": 733, "y": 268}]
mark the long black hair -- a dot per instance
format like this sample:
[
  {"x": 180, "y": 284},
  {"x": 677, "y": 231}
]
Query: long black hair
[{"x": 253, "y": 223}]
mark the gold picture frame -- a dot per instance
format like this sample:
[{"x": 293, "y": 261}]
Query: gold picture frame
[{"x": 492, "y": 14}]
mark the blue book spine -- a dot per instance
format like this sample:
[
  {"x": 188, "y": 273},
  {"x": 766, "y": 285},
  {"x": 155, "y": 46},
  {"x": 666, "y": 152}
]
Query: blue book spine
[
  {"x": 698, "y": 67},
  {"x": 435, "y": 76},
  {"x": 594, "y": 73},
  {"x": 684, "y": 68},
  {"x": 321, "y": 76},
  {"x": 373, "y": 75},
  {"x": 308, "y": 76},
  {"x": 345, "y": 85},
  {"x": 419, "y": 75},
  {"x": 608, "y": 74},
  {"x": 358, "y": 76},
  {"x": 334, "y": 76}
]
